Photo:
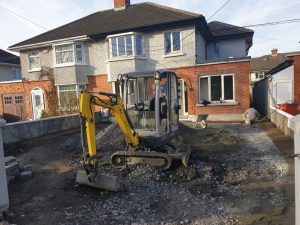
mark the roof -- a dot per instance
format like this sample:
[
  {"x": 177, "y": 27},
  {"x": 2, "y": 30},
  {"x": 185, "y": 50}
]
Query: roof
[
  {"x": 281, "y": 66},
  {"x": 106, "y": 22},
  {"x": 6, "y": 57},
  {"x": 268, "y": 62},
  {"x": 219, "y": 29}
]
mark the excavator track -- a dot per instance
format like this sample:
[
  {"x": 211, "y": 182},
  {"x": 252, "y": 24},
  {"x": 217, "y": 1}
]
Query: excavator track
[{"x": 121, "y": 159}]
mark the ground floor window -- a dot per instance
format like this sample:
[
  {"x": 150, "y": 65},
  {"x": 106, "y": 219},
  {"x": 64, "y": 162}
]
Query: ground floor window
[
  {"x": 216, "y": 88},
  {"x": 68, "y": 96}
]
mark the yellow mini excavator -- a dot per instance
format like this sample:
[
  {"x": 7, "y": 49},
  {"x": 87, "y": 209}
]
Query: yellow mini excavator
[{"x": 147, "y": 112}]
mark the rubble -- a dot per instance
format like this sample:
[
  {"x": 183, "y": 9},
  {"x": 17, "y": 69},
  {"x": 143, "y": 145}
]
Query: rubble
[
  {"x": 15, "y": 169},
  {"x": 235, "y": 173}
]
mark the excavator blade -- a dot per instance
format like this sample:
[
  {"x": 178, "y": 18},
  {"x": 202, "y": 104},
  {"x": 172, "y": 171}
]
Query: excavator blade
[{"x": 104, "y": 182}]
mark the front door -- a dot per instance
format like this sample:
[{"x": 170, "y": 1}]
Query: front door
[
  {"x": 182, "y": 94},
  {"x": 38, "y": 104}
]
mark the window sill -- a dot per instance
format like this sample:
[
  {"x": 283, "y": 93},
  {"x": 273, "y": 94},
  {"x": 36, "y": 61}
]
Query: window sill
[
  {"x": 173, "y": 54},
  {"x": 70, "y": 64},
  {"x": 219, "y": 104},
  {"x": 123, "y": 58},
  {"x": 35, "y": 70}
]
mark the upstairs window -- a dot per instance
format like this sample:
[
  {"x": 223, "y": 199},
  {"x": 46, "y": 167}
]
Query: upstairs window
[
  {"x": 127, "y": 45},
  {"x": 173, "y": 42},
  {"x": 217, "y": 49},
  {"x": 69, "y": 54},
  {"x": 34, "y": 61}
]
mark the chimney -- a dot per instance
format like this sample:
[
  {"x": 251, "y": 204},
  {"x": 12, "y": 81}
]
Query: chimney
[
  {"x": 121, "y": 4},
  {"x": 274, "y": 51}
]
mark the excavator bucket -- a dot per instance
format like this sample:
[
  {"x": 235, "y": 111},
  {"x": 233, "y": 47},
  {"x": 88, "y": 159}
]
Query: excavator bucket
[{"x": 104, "y": 182}]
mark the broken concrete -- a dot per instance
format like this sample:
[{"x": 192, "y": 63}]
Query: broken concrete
[
  {"x": 11, "y": 167},
  {"x": 26, "y": 175},
  {"x": 15, "y": 169},
  {"x": 9, "y": 159}
]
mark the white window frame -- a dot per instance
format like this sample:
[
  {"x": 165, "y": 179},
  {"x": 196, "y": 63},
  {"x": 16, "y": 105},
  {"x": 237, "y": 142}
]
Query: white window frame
[
  {"x": 171, "y": 37},
  {"x": 133, "y": 43},
  {"x": 75, "y": 62},
  {"x": 222, "y": 87},
  {"x": 77, "y": 89},
  {"x": 34, "y": 56}
]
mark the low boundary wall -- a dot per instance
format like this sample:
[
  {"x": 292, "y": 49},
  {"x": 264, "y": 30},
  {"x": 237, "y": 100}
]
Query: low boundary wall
[
  {"x": 282, "y": 120},
  {"x": 19, "y": 131}
]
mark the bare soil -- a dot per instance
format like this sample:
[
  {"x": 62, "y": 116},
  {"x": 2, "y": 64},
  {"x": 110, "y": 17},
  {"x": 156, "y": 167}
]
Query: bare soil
[{"x": 238, "y": 174}]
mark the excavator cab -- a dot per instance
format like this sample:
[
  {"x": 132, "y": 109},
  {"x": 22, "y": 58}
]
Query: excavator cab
[{"x": 151, "y": 102}]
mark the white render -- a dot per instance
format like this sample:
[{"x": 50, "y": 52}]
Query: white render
[
  {"x": 97, "y": 61},
  {"x": 295, "y": 126},
  {"x": 230, "y": 48},
  {"x": 282, "y": 86}
]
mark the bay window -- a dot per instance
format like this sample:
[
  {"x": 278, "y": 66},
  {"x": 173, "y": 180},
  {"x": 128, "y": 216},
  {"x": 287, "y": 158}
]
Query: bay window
[
  {"x": 69, "y": 54},
  {"x": 68, "y": 95},
  {"x": 34, "y": 60},
  {"x": 173, "y": 42},
  {"x": 216, "y": 88},
  {"x": 125, "y": 45}
]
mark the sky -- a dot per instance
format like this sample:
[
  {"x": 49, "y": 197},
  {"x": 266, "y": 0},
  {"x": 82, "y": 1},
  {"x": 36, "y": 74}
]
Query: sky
[{"x": 54, "y": 13}]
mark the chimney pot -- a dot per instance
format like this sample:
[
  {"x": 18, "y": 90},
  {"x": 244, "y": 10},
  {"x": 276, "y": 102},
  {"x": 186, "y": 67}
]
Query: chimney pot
[
  {"x": 121, "y": 4},
  {"x": 274, "y": 51}
]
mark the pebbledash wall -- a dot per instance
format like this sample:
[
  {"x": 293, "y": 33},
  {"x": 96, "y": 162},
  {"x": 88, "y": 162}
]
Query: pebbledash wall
[
  {"x": 240, "y": 70},
  {"x": 25, "y": 88}
]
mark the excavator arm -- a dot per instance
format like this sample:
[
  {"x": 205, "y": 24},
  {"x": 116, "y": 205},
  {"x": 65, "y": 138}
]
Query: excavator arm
[{"x": 87, "y": 103}]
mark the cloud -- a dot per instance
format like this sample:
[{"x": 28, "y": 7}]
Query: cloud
[{"x": 54, "y": 13}]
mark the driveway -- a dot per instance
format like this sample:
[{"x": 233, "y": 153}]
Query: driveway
[{"x": 237, "y": 175}]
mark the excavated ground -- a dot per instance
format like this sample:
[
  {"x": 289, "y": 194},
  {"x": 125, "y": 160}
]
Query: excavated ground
[{"x": 237, "y": 175}]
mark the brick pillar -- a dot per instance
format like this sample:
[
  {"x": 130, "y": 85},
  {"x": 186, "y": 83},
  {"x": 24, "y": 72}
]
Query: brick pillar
[
  {"x": 295, "y": 125},
  {"x": 4, "y": 202}
]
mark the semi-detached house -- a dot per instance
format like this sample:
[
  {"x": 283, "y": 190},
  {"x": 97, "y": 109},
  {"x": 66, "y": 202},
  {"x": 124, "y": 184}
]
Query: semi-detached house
[{"x": 210, "y": 58}]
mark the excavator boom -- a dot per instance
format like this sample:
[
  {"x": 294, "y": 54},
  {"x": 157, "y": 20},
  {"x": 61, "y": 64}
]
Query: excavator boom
[{"x": 87, "y": 103}]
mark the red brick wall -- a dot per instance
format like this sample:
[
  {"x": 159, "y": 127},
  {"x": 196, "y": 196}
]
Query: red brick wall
[
  {"x": 296, "y": 79},
  {"x": 241, "y": 82},
  {"x": 121, "y": 3},
  {"x": 26, "y": 88},
  {"x": 99, "y": 83}
]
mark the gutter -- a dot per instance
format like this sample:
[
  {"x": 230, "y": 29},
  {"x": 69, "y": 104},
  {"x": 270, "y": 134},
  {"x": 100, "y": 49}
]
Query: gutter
[
  {"x": 47, "y": 43},
  {"x": 9, "y": 64}
]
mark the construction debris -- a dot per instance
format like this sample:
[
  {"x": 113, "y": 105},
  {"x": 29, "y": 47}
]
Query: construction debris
[
  {"x": 15, "y": 170},
  {"x": 236, "y": 176}
]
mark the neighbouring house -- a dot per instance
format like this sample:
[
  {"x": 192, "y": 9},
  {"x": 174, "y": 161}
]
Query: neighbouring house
[
  {"x": 210, "y": 58},
  {"x": 285, "y": 84},
  {"x": 10, "y": 69},
  {"x": 260, "y": 66},
  {"x": 278, "y": 95}
]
